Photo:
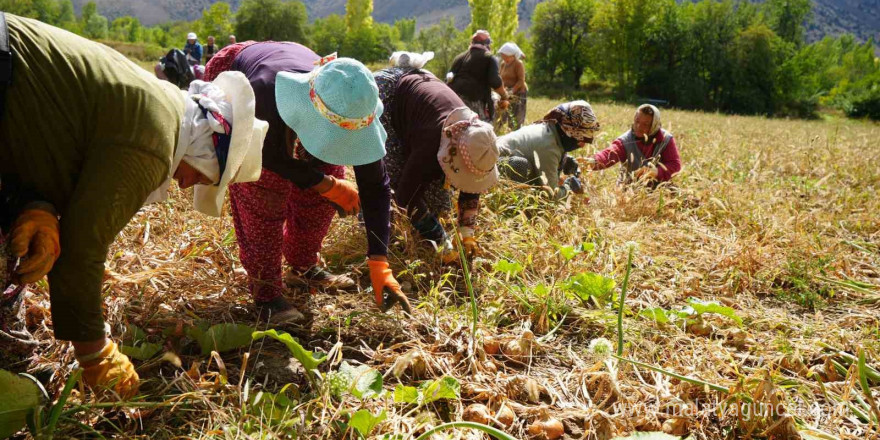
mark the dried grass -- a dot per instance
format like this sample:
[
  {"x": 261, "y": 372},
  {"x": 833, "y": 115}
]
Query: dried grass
[{"x": 758, "y": 203}]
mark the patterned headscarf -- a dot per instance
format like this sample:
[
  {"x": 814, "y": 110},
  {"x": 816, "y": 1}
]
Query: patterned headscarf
[{"x": 576, "y": 119}]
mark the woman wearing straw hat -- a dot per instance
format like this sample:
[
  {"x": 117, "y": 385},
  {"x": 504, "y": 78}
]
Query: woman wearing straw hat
[
  {"x": 537, "y": 154},
  {"x": 320, "y": 119},
  {"x": 433, "y": 138},
  {"x": 513, "y": 75},
  {"x": 96, "y": 136}
]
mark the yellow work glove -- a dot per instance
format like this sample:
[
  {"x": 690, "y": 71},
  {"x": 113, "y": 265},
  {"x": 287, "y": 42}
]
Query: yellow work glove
[
  {"x": 110, "y": 370},
  {"x": 468, "y": 240},
  {"x": 386, "y": 289},
  {"x": 344, "y": 195},
  {"x": 35, "y": 238},
  {"x": 448, "y": 253}
]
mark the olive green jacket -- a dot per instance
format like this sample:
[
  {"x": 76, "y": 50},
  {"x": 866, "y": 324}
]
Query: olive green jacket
[{"x": 94, "y": 134}]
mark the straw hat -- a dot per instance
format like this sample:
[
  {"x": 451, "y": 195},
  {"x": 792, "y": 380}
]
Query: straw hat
[{"x": 468, "y": 152}]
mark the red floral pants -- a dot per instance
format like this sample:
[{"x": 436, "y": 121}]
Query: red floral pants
[{"x": 273, "y": 217}]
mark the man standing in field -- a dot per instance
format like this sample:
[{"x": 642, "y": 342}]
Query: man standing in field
[{"x": 210, "y": 49}]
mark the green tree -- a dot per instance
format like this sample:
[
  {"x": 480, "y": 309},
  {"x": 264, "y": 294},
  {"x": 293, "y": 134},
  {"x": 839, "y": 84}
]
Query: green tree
[
  {"x": 94, "y": 25},
  {"x": 216, "y": 21},
  {"x": 665, "y": 45},
  {"x": 505, "y": 21},
  {"x": 481, "y": 15},
  {"x": 126, "y": 28},
  {"x": 46, "y": 11},
  {"x": 328, "y": 34},
  {"x": 358, "y": 15},
  {"x": 271, "y": 20},
  {"x": 66, "y": 15},
  {"x": 446, "y": 41},
  {"x": 756, "y": 52},
  {"x": 561, "y": 33},
  {"x": 788, "y": 18},
  {"x": 406, "y": 29}
]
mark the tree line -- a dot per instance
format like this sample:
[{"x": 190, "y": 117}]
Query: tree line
[{"x": 717, "y": 55}]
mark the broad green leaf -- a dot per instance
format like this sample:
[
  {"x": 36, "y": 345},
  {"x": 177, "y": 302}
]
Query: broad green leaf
[
  {"x": 588, "y": 285},
  {"x": 588, "y": 247},
  {"x": 568, "y": 252},
  {"x": 362, "y": 381},
  {"x": 815, "y": 434},
  {"x": 509, "y": 267},
  {"x": 658, "y": 314},
  {"x": 141, "y": 352},
  {"x": 363, "y": 421},
  {"x": 494, "y": 432},
  {"x": 309, "y": 360},
  {"x": 429, "y": 391},
  {"x": 271, "y": 406},
  {"x": 700, "y": 307},
  {"x": 19, "y": 400},
  {"x": 133, "y": 335},
  {"x": 648, "y": 436},
  {"x": 221, "y": 337},
  {"x": 444, "y": 388},
  {"x": 405, "y": 394},
  {"x": 541, "y": 290}
]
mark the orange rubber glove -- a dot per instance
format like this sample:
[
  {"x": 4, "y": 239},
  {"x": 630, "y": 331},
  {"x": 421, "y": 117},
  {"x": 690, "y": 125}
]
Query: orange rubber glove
[
  {"x": 35, "y": 237},
  {"x": 386, "y": 290},
  {"x": 468, "y": 240},
  {"x": 344, "y": 195},
  {"x": 110, "y": 370}
]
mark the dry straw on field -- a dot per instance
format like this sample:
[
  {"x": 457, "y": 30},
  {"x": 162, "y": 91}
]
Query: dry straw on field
[{"x": 775, "y": 219}]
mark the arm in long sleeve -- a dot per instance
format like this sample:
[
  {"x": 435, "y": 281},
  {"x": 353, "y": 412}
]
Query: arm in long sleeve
[
  {"x": 197, "y": 52},
  {"x": 299, "y": 172},
  {"x": 110, "y": 189},
  {"x": 375, "y": 194},
  {"x": 494, "y": 74},
  {"x": 670, "y": 162},
  {"x": 610, "y": 156}
]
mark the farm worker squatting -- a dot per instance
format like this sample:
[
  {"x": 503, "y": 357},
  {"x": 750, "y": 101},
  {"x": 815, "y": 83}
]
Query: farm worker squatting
[{"x": 647, "y": 151}]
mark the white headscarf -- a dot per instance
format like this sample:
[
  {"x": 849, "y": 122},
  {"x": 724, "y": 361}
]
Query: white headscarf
[
  {"x": 655, "y": 122},
  {"x": 230, "y": 95},
  {"x": 510, "y": 48},
  {"x": 410, "y": 59}
]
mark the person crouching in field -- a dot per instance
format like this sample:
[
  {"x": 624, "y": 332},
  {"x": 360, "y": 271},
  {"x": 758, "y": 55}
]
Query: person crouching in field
[
  {"x": 96, "y": 137},
  {"x": 537, "y": 154},
  {"x": 647, "y": 152},
  {"x": 434, "y": 139},
  {"x": 320, "y": 119}
]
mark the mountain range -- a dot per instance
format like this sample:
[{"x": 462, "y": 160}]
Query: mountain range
[{"x": 830, "y": 17}]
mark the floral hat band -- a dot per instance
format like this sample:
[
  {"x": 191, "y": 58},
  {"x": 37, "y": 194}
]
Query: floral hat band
[{"x": 321, "y": 107}]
